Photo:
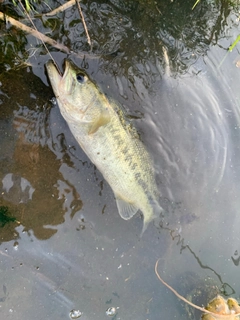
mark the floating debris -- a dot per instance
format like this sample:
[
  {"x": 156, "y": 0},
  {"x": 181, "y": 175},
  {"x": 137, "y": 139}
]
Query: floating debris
[
  {"x": 15, "y": 245},
  {"x": 220, "y": 307},
  {"x": 75, "y": 314},
  {"x": 111, "y": 311}
]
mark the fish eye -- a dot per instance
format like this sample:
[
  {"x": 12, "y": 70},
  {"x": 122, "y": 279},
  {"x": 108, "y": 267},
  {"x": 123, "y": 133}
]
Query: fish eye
[{"x": 80, "y": 77}]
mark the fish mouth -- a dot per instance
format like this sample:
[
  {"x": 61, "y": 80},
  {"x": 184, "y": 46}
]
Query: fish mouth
[
  {"x": 55, "y": 76},
  {"x": 54, "y": 71}
]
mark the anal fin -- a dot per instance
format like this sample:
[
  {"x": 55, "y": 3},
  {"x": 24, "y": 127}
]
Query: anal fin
[{"x": 126, "y": 209}]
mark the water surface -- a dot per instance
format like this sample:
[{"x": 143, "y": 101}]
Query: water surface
[{"x": 70, "y": 249}]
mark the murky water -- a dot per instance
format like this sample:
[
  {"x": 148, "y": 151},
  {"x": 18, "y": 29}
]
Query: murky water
[{"x": 69, "y": 254}]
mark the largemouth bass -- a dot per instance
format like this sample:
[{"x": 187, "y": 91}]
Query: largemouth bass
[{"x": 100, "y": 127}]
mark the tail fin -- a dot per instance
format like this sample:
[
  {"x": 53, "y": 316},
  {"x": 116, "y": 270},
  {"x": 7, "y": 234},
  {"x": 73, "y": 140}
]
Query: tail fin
[{"x": 155, "y": 215}]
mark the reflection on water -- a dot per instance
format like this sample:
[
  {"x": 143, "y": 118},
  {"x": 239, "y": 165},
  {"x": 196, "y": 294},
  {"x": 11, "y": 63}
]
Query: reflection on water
[
  {"x": 72, "y": 251},
  {"x": 16, "y": 189},
  {"x": 32, "y": 186}
]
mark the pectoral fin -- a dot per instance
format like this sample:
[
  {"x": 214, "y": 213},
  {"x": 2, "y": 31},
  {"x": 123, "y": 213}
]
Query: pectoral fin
[
  {"x": 102, "y": 120},
  {"x": 126, "y": 209}
]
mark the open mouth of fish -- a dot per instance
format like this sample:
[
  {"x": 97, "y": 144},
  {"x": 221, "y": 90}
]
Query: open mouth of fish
[{"x": 55, "y": 75}]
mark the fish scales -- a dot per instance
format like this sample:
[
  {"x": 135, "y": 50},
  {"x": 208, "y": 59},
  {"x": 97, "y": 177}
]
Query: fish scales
[{"x": 112, "y": 144}]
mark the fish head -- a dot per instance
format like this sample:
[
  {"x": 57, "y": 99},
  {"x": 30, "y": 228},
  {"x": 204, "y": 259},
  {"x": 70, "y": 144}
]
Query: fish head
[{"x": 73, "y": 90}]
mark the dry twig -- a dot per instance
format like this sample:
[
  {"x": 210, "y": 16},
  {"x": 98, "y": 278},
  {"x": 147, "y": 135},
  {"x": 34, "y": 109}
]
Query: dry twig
[
  {"x": 34, "y": 32},
  {"x": 62, "y": 8},
  {"x": 84, "y": 23},
  {"x": 43, "y": 38}
]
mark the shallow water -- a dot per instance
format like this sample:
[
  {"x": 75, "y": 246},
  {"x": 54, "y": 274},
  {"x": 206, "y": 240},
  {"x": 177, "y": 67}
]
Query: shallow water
[{"x": 70, "y": 249}]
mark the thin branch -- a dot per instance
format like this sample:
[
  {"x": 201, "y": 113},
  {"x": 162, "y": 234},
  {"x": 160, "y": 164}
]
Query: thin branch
[
  {"x": 195, "y": 4},
  {"x": 33, "y": 32},
  {"x": 84, "y": 23},
  {"x": 62, "y": 8},
  {"x": 30, "y": 19}
]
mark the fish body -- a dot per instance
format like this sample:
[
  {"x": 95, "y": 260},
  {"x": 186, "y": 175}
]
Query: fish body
[{"x": 100, "y": 127}]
